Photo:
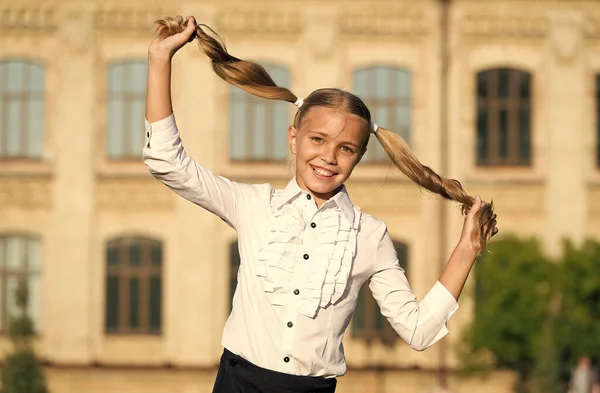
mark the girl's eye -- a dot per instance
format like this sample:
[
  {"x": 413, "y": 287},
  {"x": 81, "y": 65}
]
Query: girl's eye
[
  {"x": 317, "y": 139},
  {"x": 347, "y": 149}
]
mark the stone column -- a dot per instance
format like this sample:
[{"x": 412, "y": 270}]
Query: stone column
[
  {"x": 67, "y": 270},
  {"x": 565, "y": 196}
]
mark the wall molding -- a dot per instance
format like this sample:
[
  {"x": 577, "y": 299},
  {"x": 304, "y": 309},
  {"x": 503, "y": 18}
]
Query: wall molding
[
  {"x": 29, "y": 18},
  {"x": 492, "y": 26},
  {"x": 259, "y": 21},
  {"x": 383, "y": 23}
]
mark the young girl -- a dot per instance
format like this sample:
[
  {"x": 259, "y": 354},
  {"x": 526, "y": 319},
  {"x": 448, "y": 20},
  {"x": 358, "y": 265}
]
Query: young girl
[{"x": 305, "y": 250}]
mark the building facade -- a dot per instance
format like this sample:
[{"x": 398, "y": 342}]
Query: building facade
[{"x": 131, "y": 285}]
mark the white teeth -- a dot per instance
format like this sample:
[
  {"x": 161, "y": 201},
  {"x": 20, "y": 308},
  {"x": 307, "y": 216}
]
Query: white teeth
[{"x": 323, "y": 172}]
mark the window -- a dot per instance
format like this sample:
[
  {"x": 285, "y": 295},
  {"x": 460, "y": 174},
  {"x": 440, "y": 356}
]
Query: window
[
  {"x": 387, "y": 93},
  {"x": 234, "y": 263},
  {"x": 22, "y": 112},
  {"x": 367, "y": 322},
  {"x": 126, "y": 106},
  {"x": 258, "y": 127},
  {"x": 134, "y": 286},
  {"x": 20, "y": 258},
  {"x": 503, "y": 117},
  {"x": 598, "y": 120}
]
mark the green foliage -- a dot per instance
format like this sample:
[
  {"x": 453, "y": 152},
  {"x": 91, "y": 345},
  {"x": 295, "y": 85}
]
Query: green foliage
[
  {"x": 578, "y": 318},
  {"x": 512, "y": 291},
  {"x": 22, "y": 371},
  {"x": 534, "y": 315}
]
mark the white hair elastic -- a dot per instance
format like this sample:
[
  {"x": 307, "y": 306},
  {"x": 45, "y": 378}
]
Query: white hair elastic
[
  {"x": 374, "y": 127},
  {"x": 299, "y": 102}
]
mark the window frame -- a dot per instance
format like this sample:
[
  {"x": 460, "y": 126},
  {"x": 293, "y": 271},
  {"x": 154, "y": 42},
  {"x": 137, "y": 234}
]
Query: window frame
[
  {"x": 237, "y": 98},
  {"x": 26, "y": 96},
  {"x": 494, "y": 103},
  {"x": 127, "y": 97},
  {"x": 125, "y": 271},
  {"x": 375, "y": 326},
  {"x": 394, "y": 101},
  {"x": 20, "y": 272},
  {"x": 234, "y": 267}
]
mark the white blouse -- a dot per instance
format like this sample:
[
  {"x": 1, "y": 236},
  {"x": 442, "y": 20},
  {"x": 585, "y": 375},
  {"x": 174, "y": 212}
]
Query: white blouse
[{"x": 301, "y": 266}]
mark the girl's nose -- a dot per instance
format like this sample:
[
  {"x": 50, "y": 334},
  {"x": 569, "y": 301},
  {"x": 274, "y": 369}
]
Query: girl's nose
[{"x": 329, "y": 156}]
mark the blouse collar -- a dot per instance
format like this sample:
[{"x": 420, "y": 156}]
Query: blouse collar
[{"x": 341, "y": 200}]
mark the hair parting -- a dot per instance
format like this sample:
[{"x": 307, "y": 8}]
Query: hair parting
[{"x": 254, "y": 79}]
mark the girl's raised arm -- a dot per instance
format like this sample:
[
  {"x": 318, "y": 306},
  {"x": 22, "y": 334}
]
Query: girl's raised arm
[
  {"x": 160, "y": 53},
  {"x": 163, "y": 151}
]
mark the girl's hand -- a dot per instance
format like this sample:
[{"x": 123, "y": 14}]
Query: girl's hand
[
  {"x": 467, "y": 236},
  {"x": 171, "y": 35}
]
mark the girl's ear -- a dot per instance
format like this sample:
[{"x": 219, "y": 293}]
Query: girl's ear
[{"x": 292, "y": 138}]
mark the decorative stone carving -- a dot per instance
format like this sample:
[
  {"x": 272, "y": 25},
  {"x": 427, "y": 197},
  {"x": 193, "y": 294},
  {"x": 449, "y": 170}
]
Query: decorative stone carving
[
  {"x": 76, "y": 28},
  {"x": 133, "y": 19},
  {"x": 478, "y": 25},
  {"x": 566, "y": 36},
  {"x": 20, "y": 17},
  {"x": 383, "y": 23},
  {"x": 591, "y": 28},
  {"x": 133, "y": 194},
  {"x": 25, "y": 193},
  {"x": 259, "y": 21},
  {"x": 322, "y": 34}
]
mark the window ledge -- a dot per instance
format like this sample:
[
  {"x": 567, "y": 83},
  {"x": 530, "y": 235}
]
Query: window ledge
[
  {"x": 256, "y": 171},
  {"x": 129, "y": 168},
  {"x": 24, "y": 168},
  {"x": 503, "y": 175},
  {"x": 131, "y": 348},
  {"x": 378, "y": 172}
]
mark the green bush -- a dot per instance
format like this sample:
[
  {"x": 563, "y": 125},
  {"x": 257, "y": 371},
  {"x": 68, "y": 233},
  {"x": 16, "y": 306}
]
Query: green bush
[
  {"x": 22, "y": 372},
  {"x": 534, "y": 315}
]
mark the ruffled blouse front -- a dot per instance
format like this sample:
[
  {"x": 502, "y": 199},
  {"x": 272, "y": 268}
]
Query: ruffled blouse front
[{"x": 324, "y": 274}]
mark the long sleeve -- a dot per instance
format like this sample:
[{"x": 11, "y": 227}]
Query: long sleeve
[
  {"x": 167, "y": 160},
  {"x": 420, "y": 324}
]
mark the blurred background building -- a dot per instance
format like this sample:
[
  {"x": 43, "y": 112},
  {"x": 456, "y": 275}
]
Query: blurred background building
[{"x": 131, "y": 285}]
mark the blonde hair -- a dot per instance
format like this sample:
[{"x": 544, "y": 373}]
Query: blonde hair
[{"x": 254, "y": 79}]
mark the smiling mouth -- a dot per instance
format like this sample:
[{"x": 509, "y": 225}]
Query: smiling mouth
[{"x": 323, "y": 172}]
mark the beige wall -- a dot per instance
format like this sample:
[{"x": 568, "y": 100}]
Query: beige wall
[{"x": 75, "y": 200}]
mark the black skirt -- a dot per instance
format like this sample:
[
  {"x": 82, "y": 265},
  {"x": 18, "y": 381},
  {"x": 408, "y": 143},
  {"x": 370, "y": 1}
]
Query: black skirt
[{"x": 237, "y": 375}]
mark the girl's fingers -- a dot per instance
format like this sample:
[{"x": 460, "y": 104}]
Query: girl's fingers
[{"x": 476, "y": 206}]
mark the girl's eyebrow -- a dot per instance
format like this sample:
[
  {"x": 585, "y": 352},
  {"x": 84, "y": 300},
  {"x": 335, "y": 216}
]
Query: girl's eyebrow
[{"x": 327, "y": 136}]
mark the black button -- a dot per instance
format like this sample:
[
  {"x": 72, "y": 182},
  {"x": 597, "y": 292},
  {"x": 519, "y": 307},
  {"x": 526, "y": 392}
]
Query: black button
[
  {"x": 148, "y": 145},
  {"x": 148, "y": 134},
  {"x": 305, "y": 256},
  {"x": 313, "y": 225},
  {"x": 290, "y": 324},
  {"x": 286, "y": 359},
  {"x": 296, "y": 292},
  {"x": 308, "y": 197},
  {"x": 232, "y": 362}
]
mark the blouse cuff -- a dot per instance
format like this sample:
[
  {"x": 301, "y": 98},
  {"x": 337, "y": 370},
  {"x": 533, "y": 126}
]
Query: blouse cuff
[
  {"x": 440, "y": 303},
  {"x": 160, "y": 131}
]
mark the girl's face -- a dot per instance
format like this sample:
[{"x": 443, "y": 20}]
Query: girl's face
[{"x": 328, "y": 144}]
